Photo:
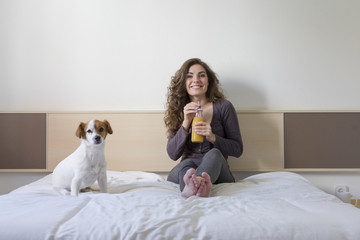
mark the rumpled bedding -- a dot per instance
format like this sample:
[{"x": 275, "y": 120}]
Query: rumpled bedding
[{"x": 142, "y": 205}]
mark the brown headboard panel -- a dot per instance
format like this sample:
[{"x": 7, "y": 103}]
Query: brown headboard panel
[
  {"x": 322, "y": 140},
  {"x": 23, "y": 138}
]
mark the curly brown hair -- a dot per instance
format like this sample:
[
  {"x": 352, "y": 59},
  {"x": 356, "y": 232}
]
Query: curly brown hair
[{"x": 177, "y": 96}]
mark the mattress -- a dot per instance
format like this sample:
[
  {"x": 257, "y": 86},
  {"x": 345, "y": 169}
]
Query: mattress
[{"x": 143, "y": 205}]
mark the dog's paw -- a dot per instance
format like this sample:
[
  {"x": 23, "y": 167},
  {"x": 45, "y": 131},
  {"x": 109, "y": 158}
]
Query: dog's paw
[{"x": 63, "y": 191}]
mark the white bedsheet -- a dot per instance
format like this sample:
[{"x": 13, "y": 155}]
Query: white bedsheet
[{"x": 139, "y": 205}]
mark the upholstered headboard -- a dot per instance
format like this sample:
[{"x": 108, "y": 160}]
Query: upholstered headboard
[
  {"x": 139, "y": 140},
  {"x": 42, "y": 140}
]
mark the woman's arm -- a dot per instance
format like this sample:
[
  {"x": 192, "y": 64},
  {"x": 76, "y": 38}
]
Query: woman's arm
[
  {"x": 176, "y": 144},
  {"x": 231, "y": 144}
]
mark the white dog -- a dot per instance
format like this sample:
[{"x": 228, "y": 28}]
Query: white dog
[{"x": 87, "y": 164}]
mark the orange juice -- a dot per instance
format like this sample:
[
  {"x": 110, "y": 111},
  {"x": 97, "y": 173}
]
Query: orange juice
[
  {"x": 196, "y": 137},
  {"x": 198, "y": 118}
]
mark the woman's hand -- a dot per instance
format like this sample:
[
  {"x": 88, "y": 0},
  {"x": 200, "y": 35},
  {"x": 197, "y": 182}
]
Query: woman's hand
[
  {"x": 204, "y": 128},
  {"x": 189, "y": 114}
]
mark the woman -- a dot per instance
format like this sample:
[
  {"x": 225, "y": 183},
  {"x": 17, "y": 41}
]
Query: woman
[{"x": 195, "y": 85}]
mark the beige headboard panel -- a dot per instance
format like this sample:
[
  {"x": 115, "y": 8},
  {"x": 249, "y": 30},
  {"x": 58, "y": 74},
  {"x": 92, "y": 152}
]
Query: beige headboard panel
[{"x": 139, "y": 140}]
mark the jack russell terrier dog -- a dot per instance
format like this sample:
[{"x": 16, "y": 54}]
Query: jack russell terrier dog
[{"x": 87, "y": 163}]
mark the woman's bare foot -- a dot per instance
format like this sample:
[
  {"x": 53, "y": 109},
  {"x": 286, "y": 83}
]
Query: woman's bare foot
[
  {"x": 191, "y": 184},
  {"x": 205, "y": 187}
]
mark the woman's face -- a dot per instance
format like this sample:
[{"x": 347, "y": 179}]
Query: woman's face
[{"x": 197, "y": 81}]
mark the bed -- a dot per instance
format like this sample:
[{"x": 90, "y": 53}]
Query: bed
[
  {"x": 143, "y": 205},
  {"x": 273, "y": 203}
]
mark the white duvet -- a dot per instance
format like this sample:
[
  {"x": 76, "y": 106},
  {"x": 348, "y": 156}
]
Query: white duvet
[{"x": 139, "y": 205}]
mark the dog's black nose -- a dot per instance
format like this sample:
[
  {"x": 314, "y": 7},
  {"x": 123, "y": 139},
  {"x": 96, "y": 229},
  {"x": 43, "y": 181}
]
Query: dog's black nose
[{"x": 97, "y": 138}]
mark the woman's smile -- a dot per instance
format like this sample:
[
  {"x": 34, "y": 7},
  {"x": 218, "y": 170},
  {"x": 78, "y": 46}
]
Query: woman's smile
[{"x": 197, "y": 81}]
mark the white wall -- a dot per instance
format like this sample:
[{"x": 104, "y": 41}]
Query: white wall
[
  {"x": 120, "y": 55},
  {"x": 12, "y": 180},
  {"x": 116, "y": 55}
]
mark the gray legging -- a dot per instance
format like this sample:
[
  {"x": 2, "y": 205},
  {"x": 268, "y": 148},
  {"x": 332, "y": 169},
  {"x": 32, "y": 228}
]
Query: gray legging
[{"x": 212, "y": 163}]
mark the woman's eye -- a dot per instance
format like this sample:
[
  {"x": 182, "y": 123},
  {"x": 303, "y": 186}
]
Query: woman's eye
[{"x": 202, "y": 75}]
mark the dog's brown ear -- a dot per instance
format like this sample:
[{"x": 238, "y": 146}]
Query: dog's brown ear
[
  {"x": 108, "y": 127},
  {"x": 80, "y": 132}
]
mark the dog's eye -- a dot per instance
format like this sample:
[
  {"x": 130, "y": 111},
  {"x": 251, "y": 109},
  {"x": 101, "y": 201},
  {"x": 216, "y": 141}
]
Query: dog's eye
[
  {"x": 101, "y": 129},
  {"x": 89, "y": 131}
]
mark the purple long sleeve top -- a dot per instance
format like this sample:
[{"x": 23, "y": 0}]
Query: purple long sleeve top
[{"x": 224, "y": 125}]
